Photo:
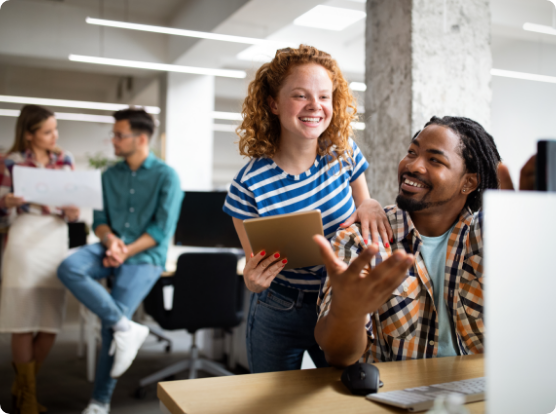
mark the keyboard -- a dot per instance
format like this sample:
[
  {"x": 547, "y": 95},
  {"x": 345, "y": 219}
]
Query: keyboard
[{"x": 422, "y": 398}]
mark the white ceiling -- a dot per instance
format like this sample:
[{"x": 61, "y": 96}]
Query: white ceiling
[{"x": 269, "y": 19}]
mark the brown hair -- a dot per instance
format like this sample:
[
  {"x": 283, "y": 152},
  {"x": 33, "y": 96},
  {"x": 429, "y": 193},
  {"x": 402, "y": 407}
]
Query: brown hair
[
  {"x": 259, "y": 133},
  {"x": 29, "y": 121}
]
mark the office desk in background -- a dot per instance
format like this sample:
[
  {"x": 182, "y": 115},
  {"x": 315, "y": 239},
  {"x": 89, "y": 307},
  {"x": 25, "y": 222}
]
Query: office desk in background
[{"x": 315, "y": 391}]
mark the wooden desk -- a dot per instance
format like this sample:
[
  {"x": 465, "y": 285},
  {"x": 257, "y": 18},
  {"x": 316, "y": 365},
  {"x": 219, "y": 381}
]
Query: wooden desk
[{"x": 315, "y": 391}]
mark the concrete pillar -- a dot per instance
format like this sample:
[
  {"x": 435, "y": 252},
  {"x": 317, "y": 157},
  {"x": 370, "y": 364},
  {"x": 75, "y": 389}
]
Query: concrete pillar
[
  {"x": 423, "y": 58},
  {"x": 187, "y": 102}
]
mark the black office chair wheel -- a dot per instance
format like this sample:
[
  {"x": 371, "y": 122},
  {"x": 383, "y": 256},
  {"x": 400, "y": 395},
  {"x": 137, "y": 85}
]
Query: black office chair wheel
[{"x": 140, "y": 393}]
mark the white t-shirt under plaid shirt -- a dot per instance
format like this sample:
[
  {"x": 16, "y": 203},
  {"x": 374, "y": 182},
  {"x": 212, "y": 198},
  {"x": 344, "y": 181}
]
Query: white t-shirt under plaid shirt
[{"x": 263, "y": 189}]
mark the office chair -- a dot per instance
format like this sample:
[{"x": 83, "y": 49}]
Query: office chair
[{"x": 208, "y": 293}]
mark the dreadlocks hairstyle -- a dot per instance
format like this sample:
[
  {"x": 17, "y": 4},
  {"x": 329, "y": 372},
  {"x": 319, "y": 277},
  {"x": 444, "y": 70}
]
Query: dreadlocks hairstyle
[{"x": 478, "y": 151}]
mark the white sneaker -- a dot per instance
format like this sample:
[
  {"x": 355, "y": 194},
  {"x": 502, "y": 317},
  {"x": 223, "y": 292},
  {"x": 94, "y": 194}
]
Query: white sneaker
[
  {"x": 125, "y": 346},
  {"x": 93, "y": 408}
]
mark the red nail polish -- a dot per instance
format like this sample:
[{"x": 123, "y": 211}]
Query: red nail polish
[
  {"x": 392, "y": 240},
  {"x": 386, "y": 245},
  {"x": 277, "y": 255},
  {"x": 251, "y": 254},
  {"x": 366, "y": 241},
  {"x": 263, "y": 253},
  {"x": 285, "y": 261}
]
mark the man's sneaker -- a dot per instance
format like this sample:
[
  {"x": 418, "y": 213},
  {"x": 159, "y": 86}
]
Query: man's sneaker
[
  {"x": 125, "y": 346},
  {"x": 93, "y": 408}
]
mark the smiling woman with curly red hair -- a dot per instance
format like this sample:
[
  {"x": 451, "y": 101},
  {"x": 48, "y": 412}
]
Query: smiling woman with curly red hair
[
  {"x": 296, "y": 131},
  {"x": 260, "y": 131}
]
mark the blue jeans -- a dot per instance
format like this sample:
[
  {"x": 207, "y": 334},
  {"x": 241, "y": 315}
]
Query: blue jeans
[
  {"x": 279, "y": 330},
  {"x": 79, "y": 273}
]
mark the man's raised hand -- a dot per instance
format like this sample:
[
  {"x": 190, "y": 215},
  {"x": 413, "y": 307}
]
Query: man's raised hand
[{"x": 357, "y": 293}]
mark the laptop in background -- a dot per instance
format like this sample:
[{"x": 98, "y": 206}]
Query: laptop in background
[{"x": 520, "y": 301}]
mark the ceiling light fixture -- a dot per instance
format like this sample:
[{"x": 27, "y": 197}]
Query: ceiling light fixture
[
  {"x": 229, "y": 116},
  {"x": 177, "y": 32},
  {"x": 329, "y": 18},
  {"x": 240, "y": 74},
  {"x": 522, "y": 75},
  {"x": 358, "y": 86},
  {"x": 224, "y": 127},
  {"x": 539, "y": 28},
  {"x": 66, "y": 116},
  {"x": 27, "y": 100}
]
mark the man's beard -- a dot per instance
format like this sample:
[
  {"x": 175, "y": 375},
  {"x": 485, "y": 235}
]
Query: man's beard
[{"x": 410, "y": 205}]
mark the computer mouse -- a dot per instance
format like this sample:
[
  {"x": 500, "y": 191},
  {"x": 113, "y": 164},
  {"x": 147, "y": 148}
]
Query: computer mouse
[{"x": 361, "y": 378}]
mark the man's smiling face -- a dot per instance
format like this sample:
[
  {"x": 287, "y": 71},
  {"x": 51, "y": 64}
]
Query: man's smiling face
[{"x": 432, "y": 174}]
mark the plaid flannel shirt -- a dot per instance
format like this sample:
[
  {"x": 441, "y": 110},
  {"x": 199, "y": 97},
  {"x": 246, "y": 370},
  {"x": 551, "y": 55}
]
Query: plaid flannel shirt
[
  {"x": 406, "y": 326},
  {"x": 58, "y": 161}
]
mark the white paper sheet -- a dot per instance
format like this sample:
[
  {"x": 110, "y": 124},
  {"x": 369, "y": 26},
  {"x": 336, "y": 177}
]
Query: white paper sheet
[{"x": 58, "y": 187}]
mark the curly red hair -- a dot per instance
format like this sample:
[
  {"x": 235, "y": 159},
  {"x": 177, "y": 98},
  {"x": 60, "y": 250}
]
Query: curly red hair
[{"x": 259, "y": 133}]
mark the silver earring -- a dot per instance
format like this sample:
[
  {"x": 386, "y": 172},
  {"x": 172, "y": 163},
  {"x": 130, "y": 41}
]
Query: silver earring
[{"x": 464, "y": 190}]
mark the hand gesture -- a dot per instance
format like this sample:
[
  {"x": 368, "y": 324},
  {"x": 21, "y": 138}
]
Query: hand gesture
[
  {"x": 357, "y": 293},
  {"x": 71, "y": 213},
  {"x": 12, "y": 201},
  {"x": 260, "y": 271},
  {"x": 116, "y": 252},
  {"x": 373, "y": 221}
]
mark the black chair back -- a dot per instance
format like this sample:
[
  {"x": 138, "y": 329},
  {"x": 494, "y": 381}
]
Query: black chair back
[{"x": 208, "y": 293}]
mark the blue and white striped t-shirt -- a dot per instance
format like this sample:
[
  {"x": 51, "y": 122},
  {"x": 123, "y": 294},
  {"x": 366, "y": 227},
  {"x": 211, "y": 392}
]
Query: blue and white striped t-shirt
[{"x": 263, "y": 189}]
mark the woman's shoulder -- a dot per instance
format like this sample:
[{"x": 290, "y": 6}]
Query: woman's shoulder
[
  {"x": 254, "y": 170},
  {"x": 63, "y": 158},
  {"x": 11, "y": 158}
]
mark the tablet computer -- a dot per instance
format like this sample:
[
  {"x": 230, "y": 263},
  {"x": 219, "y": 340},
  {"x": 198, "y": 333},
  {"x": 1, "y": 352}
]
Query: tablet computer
[{"x": 290, "y": 234}]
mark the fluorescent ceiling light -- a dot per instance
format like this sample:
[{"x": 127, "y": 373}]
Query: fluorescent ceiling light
[
  {"x": 229, "y": 116},
  {"x": 539, "y": 28},
  {"x": 66, "y": 116},
  {"x": 9, "y": 112},
  {"x": 258, "y": 53},
  {"x": 26, "y": 100},
  {"x": 359, "y": 126},
  {"x": 329, "y": 18},
  {"x": 358, "y": 86},
  {"x": 240, "y": 74},
  {"x": 224, "y": 127},
  {"x": 177, "y": 32},
  {"x": 522, "y": 75},
  {"x": 103, "y": 119}
]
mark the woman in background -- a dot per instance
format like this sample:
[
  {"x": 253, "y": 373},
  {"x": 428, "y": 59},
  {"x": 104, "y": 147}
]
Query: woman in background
[
  {"x": 32, "y": 301},
  {"x": 296, "y": 131}
]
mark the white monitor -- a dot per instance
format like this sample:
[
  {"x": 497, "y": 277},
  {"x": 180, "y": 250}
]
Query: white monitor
[{"x": 520, "y": 301}]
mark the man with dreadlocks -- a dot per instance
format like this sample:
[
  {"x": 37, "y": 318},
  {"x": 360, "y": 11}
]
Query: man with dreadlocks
[{"x": 423, "y": 296}]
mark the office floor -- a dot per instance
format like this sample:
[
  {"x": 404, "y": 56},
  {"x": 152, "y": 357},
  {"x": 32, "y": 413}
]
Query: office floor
[{"x": 63, "y": 388}]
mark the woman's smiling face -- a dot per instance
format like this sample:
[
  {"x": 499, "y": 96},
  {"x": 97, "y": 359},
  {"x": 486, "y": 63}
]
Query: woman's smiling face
[{"x": 304, "y": 103}]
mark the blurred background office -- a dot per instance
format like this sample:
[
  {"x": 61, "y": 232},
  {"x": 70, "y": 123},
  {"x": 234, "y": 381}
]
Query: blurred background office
[{"x": 51, "y": 55}]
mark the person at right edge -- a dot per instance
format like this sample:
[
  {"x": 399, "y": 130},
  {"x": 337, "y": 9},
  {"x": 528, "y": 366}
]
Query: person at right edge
[
  {"x": 142, "y": 200},
  {"x": 297, "y": 132}
]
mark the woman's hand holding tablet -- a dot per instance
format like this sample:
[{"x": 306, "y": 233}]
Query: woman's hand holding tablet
[{"x": 260, "y": 270}]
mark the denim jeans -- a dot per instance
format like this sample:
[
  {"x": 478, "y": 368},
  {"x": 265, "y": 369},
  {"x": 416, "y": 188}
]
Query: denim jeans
[
  {"x": 279, "y": 330},
  {"x": 79, "y": 273}
]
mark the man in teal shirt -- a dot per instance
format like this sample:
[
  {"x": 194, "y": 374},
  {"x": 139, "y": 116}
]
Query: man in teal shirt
[{"x": 142, "y": 201}]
